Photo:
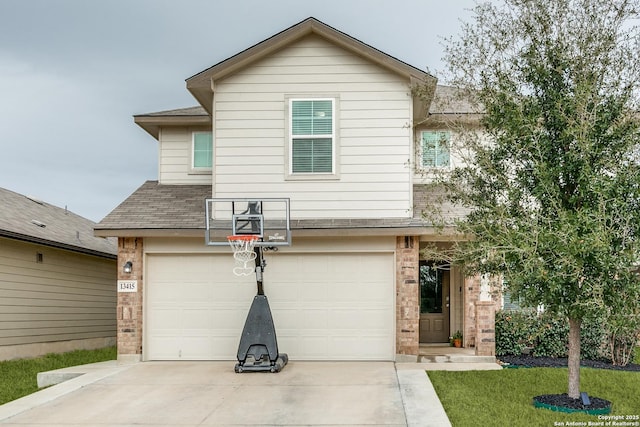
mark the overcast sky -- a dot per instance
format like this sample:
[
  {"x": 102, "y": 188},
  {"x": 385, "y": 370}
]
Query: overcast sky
[{"x": 74, "y": 72}]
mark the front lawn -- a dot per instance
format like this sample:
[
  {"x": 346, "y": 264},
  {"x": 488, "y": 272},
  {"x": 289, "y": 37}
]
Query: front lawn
[
  {"x": 504, "y": 398},
  {"x": 18, "y": 378}
]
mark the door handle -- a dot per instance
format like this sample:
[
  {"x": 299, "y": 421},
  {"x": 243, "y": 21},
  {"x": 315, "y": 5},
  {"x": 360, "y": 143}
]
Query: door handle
[{"x": 447, "y": 306}]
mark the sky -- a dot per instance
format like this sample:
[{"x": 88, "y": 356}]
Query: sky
[{"x": 74, "y": 72}]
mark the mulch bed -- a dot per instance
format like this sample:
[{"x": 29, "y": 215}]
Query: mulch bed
[{"x": 559, "y": 362}]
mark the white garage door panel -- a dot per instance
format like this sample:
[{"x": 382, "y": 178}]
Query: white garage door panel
[
  {"x": 325, "y": 306},
  {"x": 195, "y": 307},
  {"x": 343, "y": 310}
]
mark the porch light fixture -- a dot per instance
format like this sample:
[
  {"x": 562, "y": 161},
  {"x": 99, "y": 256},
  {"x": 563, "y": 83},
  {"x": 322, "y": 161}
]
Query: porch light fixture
[{"x": 127, "y": 267}]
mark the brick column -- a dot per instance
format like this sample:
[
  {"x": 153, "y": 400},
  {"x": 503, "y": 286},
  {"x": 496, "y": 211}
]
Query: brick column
[
  {"x": 471, "y": 296},
  {"x": 129, "y": 309},
  {"x": 485, "y": 328},
  {"x": 407, "y": 295}
]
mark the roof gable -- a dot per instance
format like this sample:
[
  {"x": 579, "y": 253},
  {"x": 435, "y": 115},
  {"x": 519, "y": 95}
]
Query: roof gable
[{"x": 201, "y": 85}]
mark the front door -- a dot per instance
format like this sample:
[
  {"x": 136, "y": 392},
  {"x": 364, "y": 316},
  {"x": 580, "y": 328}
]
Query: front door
[{"x": 434, "y": 302}]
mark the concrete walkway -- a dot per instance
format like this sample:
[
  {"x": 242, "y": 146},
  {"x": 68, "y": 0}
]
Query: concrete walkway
[{"x": 210, "y": 393}]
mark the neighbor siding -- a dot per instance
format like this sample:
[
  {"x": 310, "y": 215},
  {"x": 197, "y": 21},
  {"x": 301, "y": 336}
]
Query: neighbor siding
[
  {"x": 67, "y": 296},
  {"x": 374, "y": 134}
]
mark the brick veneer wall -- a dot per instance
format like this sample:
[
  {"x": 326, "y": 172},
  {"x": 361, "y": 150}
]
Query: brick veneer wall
[
  {"x": 471, "y": 296},
  {"x": 485, "y": 328},
  {"x": 479, "y": 317},
  {"x": 129, "y": 308},
  {"x": 407, "y": 295}
]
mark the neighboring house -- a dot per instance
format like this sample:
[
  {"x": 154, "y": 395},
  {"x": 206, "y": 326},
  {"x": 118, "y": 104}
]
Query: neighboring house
[
  {"x": 353, "y": 285},
  {"x": 57, "y": 280}
]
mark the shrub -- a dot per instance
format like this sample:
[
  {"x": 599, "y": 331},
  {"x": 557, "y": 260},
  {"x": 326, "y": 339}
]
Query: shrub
[
  {"x": 513, "y": 331},
  {"x": 547, "y": 335},
  {"x": 593, "y": 339},
  {"x": 551, "y": 336}
]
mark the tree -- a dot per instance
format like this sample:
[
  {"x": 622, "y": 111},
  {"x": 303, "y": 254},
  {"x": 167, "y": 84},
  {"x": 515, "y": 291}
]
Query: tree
[{"x": 551, "y": 181}]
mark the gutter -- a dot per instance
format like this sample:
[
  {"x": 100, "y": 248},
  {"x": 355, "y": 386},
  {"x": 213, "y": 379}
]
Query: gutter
[{"x": 57, "y": 245}]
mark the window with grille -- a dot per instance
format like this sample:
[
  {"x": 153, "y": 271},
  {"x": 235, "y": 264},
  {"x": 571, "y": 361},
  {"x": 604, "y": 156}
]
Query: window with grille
[
  {"x": 312, "y": 136},
  {"x": 436, "y": 146}
]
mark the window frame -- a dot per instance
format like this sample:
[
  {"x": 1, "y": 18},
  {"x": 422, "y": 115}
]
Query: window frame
[
  {"x": 436, "y": 166},
  {"x": 193, "y": 169},
  {"x": 290, "y": 137}
]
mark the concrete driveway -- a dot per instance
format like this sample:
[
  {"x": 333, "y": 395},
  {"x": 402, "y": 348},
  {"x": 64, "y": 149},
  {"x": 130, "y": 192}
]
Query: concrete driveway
[{"x": 210, "y": 393}]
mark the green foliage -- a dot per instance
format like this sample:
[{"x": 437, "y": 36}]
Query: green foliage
[
  {"x": 546, "y": 335},
  {"x": 551, "y": 336},
  {"x": 593, "y": 339},
  {"x": 503, "y": 398},
  {"x": 553, "y": 198},
  {"x": 514, "y": 332},
  {"x": 19, "y": 377},
  {"x": 551, "y": 181},
  {"x": 623, "y": 325}
]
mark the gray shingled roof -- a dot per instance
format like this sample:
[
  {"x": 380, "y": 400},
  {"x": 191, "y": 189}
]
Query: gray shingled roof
[
  {"x": 189, "y": 111},
  {"x": 451, "y": 100},
  {"x": 155, "y": 206},
  {"x": 31, "y": 220}
]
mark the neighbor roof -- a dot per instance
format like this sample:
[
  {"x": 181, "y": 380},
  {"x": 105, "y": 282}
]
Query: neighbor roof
[
  {"x": 31, "y": 220},
  {"x": 200, "y": 84}
]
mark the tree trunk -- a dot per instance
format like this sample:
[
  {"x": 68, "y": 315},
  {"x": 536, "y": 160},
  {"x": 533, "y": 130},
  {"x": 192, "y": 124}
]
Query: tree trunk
[{"x": 574, "y": 358}]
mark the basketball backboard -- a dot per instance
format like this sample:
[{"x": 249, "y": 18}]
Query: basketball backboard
[{"x": 267, "y": 218}]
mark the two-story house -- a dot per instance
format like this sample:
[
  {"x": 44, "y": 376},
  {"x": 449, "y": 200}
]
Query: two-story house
[{"x": 353, "y": 284}]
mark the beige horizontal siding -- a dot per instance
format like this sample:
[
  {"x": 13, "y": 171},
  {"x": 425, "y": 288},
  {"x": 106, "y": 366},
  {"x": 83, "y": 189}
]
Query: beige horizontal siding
[
  {"x": 66, "y": 297},
  {"x": 175, "y": 157},
  {"x": 375, "y": 140}
]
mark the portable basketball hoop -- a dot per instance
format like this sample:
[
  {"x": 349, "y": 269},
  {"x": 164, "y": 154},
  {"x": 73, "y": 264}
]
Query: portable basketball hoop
[
  {"x": 254, "y": 224},
  {"x": 243, "y": 252}
]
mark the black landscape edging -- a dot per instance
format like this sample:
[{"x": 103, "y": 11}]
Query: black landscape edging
[{"x": 566, "y": 404}]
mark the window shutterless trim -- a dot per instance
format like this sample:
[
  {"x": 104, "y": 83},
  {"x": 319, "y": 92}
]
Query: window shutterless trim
[
  {"x": 297, "y": 135},
  {"x": 204, "y": 170},
  {"x": 436, "y": 152}
]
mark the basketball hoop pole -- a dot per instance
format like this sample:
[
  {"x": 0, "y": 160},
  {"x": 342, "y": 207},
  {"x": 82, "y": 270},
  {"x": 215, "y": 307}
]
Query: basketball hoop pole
[{"x": 260, "y": 265}]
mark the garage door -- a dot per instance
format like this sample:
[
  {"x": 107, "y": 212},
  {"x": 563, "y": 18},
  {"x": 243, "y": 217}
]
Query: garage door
[{"x": 325, "y": 306}]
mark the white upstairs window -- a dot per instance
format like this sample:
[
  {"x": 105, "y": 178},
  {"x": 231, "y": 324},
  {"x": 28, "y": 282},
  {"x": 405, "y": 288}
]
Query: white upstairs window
[
  {"x": 312, "y": 136},
  {"x": 202, "y": 151},
  {"x": 436, "y": 148}
]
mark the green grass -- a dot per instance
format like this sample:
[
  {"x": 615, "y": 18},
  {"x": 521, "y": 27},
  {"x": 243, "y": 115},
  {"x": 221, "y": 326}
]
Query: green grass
[
  {"x": 18, "y": 378},
  {"x": 504, "y": 398}
]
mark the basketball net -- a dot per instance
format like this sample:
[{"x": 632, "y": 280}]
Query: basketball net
[{"x": 243, "y": 253}]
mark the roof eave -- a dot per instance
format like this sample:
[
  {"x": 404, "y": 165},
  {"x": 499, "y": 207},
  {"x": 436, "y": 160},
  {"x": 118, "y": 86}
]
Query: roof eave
[
  {"x": 420, "y": 230},
  {"x": 152, "y": 123},
  {"x": 44, "y": 242}
]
